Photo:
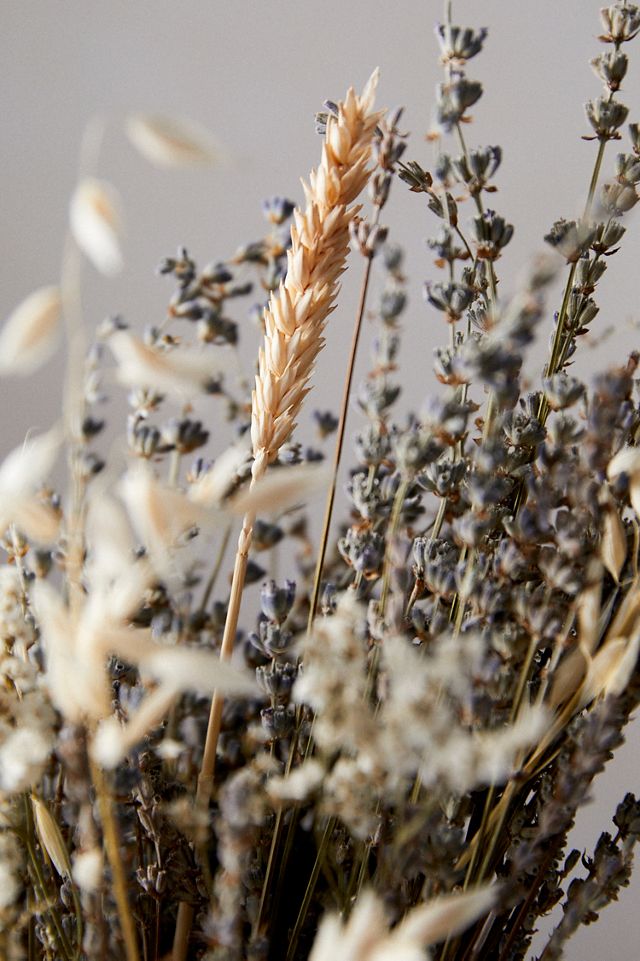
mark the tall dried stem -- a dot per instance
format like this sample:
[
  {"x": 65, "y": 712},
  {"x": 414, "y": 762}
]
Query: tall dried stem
[{"x": 294, "y": 321}]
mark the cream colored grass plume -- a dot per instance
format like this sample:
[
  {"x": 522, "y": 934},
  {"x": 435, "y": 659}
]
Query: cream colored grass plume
[{"x": 294, "y": 321}]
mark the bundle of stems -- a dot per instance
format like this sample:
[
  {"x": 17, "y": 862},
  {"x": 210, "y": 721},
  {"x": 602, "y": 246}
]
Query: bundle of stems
[{"x": 386, "y": 760}]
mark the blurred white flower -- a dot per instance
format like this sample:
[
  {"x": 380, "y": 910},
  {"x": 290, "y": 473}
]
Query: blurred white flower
[
  {"x": 171, "y": 141},
  {"x": 96, "y": 224},
  {"x": 29, "y": 336}
]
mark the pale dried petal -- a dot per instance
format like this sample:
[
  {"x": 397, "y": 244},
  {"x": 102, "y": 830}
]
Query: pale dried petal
[
  {"x": 159, "y": 515},
  {"x": 79, "y": 687},
  {"x": 113, "y": 741},
  {"x": 27, "y": 466},
  {"x": 613, "y": 550},
  {"x": 212, "y": 487},
  {"x": 281, "y": 489},
  {"x": 626, "y": 461},
  {"x": 191, "y": 669},
  {"x": 445, "y": 917},
  {"x": 87, "y": 869},
  {"x": 611, "y": 668},
  {"x": 95, "y": 222},
  {"x": 109, "y": 540},
  {"x": 51, "y": 837},
  {"x": 634, "y": 493},
  {"x": 181, "y": 371},
  {"x": 29, "y": 336},
  {"x": 39, "y": 522},
  {"x": 171, "y": 141}
]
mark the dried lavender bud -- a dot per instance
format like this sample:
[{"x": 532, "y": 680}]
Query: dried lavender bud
[
  {"x": 372, "y": 444},
  {"x": 271, "y": 640},
  {"x": 277, "y": 210},
  {"x": 628, "y": 168},
  {"x": 254, "y": 572},
  {"x": 476, "y": 169},
  {"x": 91, "y": 427},
  {"x": 214, "y": 329},
  {"x": 459, "y": 43},
  {"x": 589, "y": 270},
  {"x": 634, "y": 133},
  {"x": 562, "y": 391},
  {"x": 627, "y": 817},
  {"x": 276, "y": 602},
  {"x": 443, "y": 478},
  {"x": 618, "y": 198},
  {"x": 611, "y": 68},
  {"x": 328, "y": 599},
  {"x": 392, "y": 303},
  {"x": 446, "y": 210},
  {"x": 492, "y": 233},
  {"x": 392, "y": 257},
  {"x": 144, "y": 439},
  {"x": 447, "y": 417},
  {"x": 606, "y": 117},
  {"x": 570, "y": 238},
  {"x": 522, "y": 430},
  {"x": 621, "y": 22},
  {"x": 331, "y": 108},
  {"x": 452, "y": 298},
  {"x": 363, "y": 550},
  {"x": 368, "y": 238},
  {"x": 453, "y": 99},
  {"x": 184, "y": 435},
  {"x": 266, "y": 535},
  {"x": 278, "y": 721},
  {"x": 277, "y": 679},
  {"x": 444, "y": 244},
  {"x": 419, "y": 180},
  {"x": 375, "y": 398}
]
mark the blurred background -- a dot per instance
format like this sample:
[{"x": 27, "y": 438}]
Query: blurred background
[{"x": 255, "y": 73}]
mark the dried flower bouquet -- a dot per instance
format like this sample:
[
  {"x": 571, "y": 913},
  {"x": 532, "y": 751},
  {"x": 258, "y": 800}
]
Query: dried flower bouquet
[{"x": 385, "y": 762}]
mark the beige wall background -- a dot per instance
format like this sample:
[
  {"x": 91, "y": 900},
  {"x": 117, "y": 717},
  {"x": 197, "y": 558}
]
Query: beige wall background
[{"x": 255, "y": 71}]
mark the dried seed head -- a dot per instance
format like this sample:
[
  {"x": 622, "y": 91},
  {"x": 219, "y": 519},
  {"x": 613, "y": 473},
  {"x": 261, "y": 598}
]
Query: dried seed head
[
  {"x": 171, "y": 141},
  {"x": 297, "y": 311},
  {"x": 51, "y": 837},
  {"x": 96, "y": 224},
  {"x": 29, "y": 336}
]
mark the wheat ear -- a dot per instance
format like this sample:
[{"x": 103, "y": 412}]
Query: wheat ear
[{"x": 294, "y": 321}]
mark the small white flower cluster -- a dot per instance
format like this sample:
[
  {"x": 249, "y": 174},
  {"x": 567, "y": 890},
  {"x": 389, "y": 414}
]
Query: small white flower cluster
[
  {"x": 10, "y": 867},
  {"x": 423, "y": 726},
  {"x": 26, "y": 716},
  {"x": 27, "y": 722},
  {"x": 16, "y": 631}
]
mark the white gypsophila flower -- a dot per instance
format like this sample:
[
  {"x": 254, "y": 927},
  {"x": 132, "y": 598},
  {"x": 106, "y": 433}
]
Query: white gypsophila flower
[
  {"x": 29, "y": 336},
  {"x": 96, "y": 224},
  {"x": 15, "y": 629},
  {"x": 10, "y": 867},
  {"x": 87, "y": 868},
  {"x": 23, "y": 755},
  {"x": 27, "y": 724},
  {"x": 298, "y": 784},
  {"x": 171, "y": 141}
]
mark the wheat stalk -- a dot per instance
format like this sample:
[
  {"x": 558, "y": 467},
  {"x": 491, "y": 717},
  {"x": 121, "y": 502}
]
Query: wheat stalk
[{"x": 294, "y": 321}]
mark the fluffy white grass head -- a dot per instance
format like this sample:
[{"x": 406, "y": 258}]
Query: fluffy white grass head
[
  {"x": 181, "y": 372},
  {"x": 96, "y": 224},
  {"x": 30, "y": 334},
  {"x": 171, "y": 141}
]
